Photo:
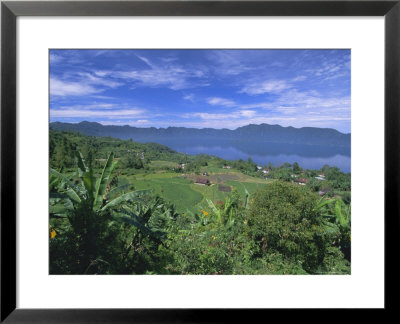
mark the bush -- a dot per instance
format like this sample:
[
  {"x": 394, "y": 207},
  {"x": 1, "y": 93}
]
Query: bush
[{"x": 283, "y": 220}]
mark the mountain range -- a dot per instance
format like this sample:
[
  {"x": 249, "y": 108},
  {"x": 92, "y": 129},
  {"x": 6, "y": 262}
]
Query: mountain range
[{"x": 263, "y": 133}]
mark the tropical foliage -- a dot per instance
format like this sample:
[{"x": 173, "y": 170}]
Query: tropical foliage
[
  {"x": 91, "y": 216},
  {"x": 99, "y": 223}
]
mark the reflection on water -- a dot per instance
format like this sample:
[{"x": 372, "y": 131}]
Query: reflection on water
[{"x": 308, "y": 156}]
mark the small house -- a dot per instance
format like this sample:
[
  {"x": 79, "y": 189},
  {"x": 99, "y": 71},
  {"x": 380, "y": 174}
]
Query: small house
[
  {"x": 202, "y": 181},
  {"x": 302, "y": 181},
  {"x": 324, "y": 191}
]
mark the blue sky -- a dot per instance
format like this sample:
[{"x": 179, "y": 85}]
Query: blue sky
[{"x": 202, "y": 88}]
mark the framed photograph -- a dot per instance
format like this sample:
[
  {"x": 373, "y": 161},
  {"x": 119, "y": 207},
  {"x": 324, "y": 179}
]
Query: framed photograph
[{"x": 191, "y": 155}]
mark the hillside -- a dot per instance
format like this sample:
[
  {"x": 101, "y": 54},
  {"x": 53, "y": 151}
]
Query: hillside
[{"x": 262, "y": 133}]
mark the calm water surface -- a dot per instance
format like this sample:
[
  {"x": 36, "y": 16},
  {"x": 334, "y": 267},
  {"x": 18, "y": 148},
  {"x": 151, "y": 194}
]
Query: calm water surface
[{"x": 308, "y": 157}]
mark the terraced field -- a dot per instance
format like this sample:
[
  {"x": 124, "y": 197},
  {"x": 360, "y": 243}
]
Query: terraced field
[
  {"x": 162, "y": 164},
  {"x": 186, "y": 195},
  {"x": 250, "y": 186},
  {"x": 173, "y": 188}
]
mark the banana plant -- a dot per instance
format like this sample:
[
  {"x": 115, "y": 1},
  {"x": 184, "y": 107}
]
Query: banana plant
[
  {"x": 343, "y": 221},
  {"x": 92, "y": 195},
  {"x": 152, "y": 218},
  {"x": 215, "y": 210},
  {"x": 337, "y": 220},
  {"x": 246, "y": 199},
  {"x": 343, "y": 214},
  {"x": 223, "y": 215},
  {"x": 322, "y": 206}
]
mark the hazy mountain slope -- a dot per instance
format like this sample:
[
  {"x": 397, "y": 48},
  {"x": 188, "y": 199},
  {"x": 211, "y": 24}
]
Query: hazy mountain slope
[{"x": 256, "y": 133}]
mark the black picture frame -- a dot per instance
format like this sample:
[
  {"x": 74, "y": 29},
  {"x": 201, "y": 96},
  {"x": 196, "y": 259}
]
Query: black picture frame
[{"x": 10, "y": 10}]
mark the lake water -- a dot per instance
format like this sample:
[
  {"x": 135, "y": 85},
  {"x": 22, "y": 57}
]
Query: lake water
[{"x": 307, "y": 156}]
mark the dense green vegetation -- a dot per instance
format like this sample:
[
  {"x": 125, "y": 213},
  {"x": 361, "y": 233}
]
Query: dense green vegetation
[{"x": 139, "y": 210}]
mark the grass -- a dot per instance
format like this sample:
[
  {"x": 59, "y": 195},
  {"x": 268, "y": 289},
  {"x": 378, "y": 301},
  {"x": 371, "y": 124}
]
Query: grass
[
  {"x": 209, "y": 192},
  {"x": 251, "y": 187},
  {"x": 184, "y": 193},
  {"x": 162, "y": 164},
  {"x": 172, "y": 187}
]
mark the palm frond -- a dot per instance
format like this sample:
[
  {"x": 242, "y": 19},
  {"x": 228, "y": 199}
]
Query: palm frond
[
  {"x": 130, "y": 196},
  {"x": 101, "y": 183},
  {"x": 73, "y": 190}
]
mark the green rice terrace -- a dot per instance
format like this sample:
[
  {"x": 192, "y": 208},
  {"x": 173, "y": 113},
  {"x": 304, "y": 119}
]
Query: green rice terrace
[{"x": 121, "y": 207}]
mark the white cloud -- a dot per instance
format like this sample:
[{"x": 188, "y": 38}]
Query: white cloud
[
  {"x": 312, "y": 100},
  {"x": 229, "y": 63},
  {"x": 333, "y": 69},
  {"x": 189, "y": 97},
  {"x": 207, "y": 116},
  {"x": 90, "y": 106},
  {"x": 98, "y": 113},
  {"x": 216, "y": 101},
  {"x": 91, "y": 79},
  {"x": 272, "y": 86},
  {"x": 336, "y": 76},
  {"x": 285, "y": 121},
  {"x": 103, "y": 97},
  {"x": 258, "y": 105},
  {"x": 168, "y": 75},
  {"x": 80, "y": 84},
  {"x": 63, "y": 88},
  {"x": 145, "y": 60},
  {"x": 299, "y": 78},
  {"x": 129, "y": 122},
  {"x": 101, "y": 73},
  {"x": 290, "y": 107},
  {"x": 239, "y": 114},
  {"x": 174, "y": 79},
  {"x": 54, "y": 58},
  {"x": 247, "y": 113}
]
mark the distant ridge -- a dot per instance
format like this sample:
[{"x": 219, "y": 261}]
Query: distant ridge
[{"x": 263, "y": 133}]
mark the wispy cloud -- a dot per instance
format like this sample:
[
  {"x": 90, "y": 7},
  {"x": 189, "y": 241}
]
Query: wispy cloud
[
  {"x": 90, "y": 106},
  {"x": 248, "y": 113},
  {"x": 89, "y": 78},
  {"x": 238, "y": 114},
  {"x": 238, "y": 120},
  {"x": 206, "y": 116},
  {"x": 80, "y": 84},
  {"x": 299, "y": 78},
  {"x": 130, "y": 122},
  {"x": 332, "y": 69},
  {"x": 54, "y": 58},
  {"x": 216, "y": 101},
  {"x": 98, "y": 113},
  {"x": 189, "y": 97},
  {"x": 212, "y": 88},
  {"x": 170, "y": 75},
  {"x": 271, "y": 86},
  {"x": 63, "y": 88},
  {"x": 288, "y": 107},
  {"x": 229, "y": 63}
]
